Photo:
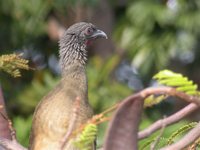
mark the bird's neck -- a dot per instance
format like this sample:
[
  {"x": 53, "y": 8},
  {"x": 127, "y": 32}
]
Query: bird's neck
[
  {"x": 75, "y": 72},
  {"x": 73, "y": 57}
]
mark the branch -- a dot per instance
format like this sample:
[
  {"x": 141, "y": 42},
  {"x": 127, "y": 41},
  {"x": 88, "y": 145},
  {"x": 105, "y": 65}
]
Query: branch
[
  {"x": 194, "y": 145},
  {"x": 186, "y": 140},
  {"x": 172, "y": 92},
  {"x": 4, "y": 126},
  {"x": 167, "y": 121},
  {"x": 153, "y": 145},
  {"x": 123, "y": 124},
  {"x": 11, "y": 145},
  {"x": 7, "y": 132}
]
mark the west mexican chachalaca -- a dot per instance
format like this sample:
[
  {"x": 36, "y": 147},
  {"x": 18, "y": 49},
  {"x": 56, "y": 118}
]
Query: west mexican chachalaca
[{"x": 54, "y": 112}]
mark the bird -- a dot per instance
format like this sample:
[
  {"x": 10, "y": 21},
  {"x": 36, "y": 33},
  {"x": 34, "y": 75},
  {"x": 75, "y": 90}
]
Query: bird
[{"x": 53, "y": 114}]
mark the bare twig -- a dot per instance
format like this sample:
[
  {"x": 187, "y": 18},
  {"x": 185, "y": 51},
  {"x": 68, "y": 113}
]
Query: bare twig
[
  {"x": 7, "y": 132},
  {"x": 167, "y": 121},
  {"x": 173, "y": 118},
  {"x": 96, "y": 119},
  {"x": 12, "y": 130},
  {"x": 153, "y": 145},
  {"x": 186, "y": 140},
  {"x": 11, "y": 145},
  {"x": 194, "y": 145},
  {"x": 172, "y": 92},
  {"x": 110, "y": 109},
  {"x": 72, "y": 123},
  {"x": 4, "y": 129}
]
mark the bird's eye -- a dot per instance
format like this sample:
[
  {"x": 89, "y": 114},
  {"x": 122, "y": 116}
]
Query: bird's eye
[{"x": 89, "y": 31}]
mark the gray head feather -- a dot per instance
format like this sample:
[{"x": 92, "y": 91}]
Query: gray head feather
[{"x": 73, "y": 46}]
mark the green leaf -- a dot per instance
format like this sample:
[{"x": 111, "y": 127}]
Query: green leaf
[
  {"x": 181, "y": 83},
  {"x": 87, "y": 137},
  {"x": 153, "y": 100},
  {"x": 180, "y": 131},
  {"x": 147, "y": 144}
]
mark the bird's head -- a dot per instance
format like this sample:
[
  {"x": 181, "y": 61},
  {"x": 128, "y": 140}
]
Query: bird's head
[
  {"x": 81, "y": 33},
  {"x": 74, "y": 41}
]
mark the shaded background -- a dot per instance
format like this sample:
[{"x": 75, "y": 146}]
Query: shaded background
[{"x": 145, "y": 36}]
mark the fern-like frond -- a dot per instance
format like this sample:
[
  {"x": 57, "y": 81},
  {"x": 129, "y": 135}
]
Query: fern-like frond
[
  {"x": 87, "y": 137},
  {"x": 181, "y": 83},
  {"x": 180, "y": 131},
  {"x": 153, "y": 100},
  {"x": 12, "y": 63},
  {"x": 147, "y": 145}
]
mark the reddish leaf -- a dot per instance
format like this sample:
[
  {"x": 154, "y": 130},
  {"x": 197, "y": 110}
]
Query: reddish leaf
[{"x": 123, "y": 129}]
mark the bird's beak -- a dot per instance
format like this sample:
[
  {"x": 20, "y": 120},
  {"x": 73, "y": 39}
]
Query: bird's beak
[{"x": 99, "y": 34}]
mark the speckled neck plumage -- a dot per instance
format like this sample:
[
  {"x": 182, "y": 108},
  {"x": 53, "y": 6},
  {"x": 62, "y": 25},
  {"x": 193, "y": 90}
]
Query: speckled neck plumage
[{"x": 72, "y": 53}]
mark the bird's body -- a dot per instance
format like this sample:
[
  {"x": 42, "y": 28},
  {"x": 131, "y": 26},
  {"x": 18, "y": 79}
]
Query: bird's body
[
  {"x": 54, "y": 112},
  {"x": 53, "y": 124}
]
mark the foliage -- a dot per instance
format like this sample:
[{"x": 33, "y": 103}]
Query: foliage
[
  {"x": 169, "y": 135},
  {"x": 90, "y": 131},
  {"x": 169, "y": 78},
  {"x": 146, "y": 143},
  {"x": 159, "y": 31},
  {"x": 12, "y": 63},
  {"x": 33, "y": 93},
  {"x": 104, "y": 91},
  {"x": 22, "y": 126},
  {"x": 25, "y": 24},
  {"x": 152, "y": 32},
  {"x": 153, "y": 100},
  {"x": 181, "y": 83},
  {"x": 87, "y": 137},
  {"x": 180, "y": 131}
]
